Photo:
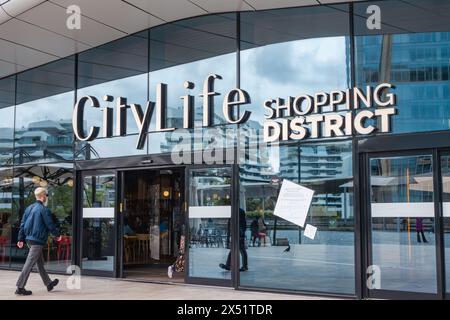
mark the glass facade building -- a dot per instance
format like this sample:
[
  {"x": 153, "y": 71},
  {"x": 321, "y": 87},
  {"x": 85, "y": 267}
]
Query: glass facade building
[{"x": 381, "y": 201}]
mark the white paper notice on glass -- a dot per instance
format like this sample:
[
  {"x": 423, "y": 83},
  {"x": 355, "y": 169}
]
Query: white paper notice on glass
[
  {"x": 310, "y": 231},
  {"x": 293, "y": 202}
]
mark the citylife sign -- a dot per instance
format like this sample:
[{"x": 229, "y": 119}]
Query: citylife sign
[{"x": 299, "y": 118}]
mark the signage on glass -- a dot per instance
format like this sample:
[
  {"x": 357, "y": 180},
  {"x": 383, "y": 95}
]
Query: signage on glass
[{"x": 324, "y": 114}]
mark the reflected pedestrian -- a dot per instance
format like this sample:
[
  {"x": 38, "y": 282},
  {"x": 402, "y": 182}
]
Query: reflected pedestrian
[
  {"x": 419, "y": 230},
  {"x": 254, "y": 230},
  {"x": 242, "y": 228}
]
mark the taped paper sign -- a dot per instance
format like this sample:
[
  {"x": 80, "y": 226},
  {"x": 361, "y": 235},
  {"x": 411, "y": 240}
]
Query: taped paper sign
[
  {"x": 293, "y": 202},
  {"x": 310, "y": 231}
]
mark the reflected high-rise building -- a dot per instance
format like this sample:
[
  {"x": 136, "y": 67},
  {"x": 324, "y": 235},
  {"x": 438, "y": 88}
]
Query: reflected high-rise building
[
  {"x": 6, "y": 145},
  {"x": 44, "y": 140},
  {"x": 418, "y": 64}
]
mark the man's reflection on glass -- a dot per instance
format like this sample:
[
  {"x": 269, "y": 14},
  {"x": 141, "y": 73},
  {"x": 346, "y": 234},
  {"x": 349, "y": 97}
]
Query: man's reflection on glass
[{"x": 242, "y": 249}]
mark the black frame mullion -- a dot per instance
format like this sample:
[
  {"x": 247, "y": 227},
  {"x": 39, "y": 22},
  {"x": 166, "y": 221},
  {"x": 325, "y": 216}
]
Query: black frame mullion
[
  {"x": 439, "y": 237},
  {"x": 445, "y": 290},
  {"x": 365, "y": 223},
  {"x": 76, "y": 188},
  {"x": 118, "y": 224},
  {"x": 357, "y": 187},
  {"x": 13, "y": 164},
  {"x": 235, "y": 256}
]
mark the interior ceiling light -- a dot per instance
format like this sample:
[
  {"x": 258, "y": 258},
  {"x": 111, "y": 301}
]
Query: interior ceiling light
[{"x": 43, "y": 183}]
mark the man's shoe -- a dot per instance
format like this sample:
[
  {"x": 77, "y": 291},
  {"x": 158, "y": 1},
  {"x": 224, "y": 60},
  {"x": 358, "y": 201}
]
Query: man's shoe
[
  {"x": 23, "y": 292},
  {"x": 243, "y": 269},
  {"x": 224, "y": 266},
  {"x": 52, "y": 284}
]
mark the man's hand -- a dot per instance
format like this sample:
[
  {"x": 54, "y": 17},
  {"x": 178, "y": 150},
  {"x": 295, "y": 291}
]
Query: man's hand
[
  {"x": 20, "y": 244},
  {"x": 59, "y": 238}
]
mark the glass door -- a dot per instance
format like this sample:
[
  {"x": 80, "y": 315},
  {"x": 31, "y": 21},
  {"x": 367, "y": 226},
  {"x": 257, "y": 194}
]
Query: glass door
[
  {"x": 402, "y": 226},
  {"x": 209, "y": 210},
  {"x": 98, "y": 228}
]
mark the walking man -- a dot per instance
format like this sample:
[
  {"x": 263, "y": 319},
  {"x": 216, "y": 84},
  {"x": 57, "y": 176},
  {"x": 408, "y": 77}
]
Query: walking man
[{"x": 34, "y": 228}]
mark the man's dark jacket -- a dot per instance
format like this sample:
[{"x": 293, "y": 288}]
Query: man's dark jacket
[{"x": 36, "y": 224}]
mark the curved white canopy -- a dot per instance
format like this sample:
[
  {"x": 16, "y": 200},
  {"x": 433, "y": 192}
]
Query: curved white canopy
[{"x": 34, "y": 32}]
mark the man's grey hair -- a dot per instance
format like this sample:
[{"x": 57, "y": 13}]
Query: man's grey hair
[{"x": 40, "y": 191}]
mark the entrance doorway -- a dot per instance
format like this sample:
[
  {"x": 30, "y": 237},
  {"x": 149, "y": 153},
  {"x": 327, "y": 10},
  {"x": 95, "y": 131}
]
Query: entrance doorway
[
  {"x": 404, "y": 196},
  {"x": 403, "y": 223},
  {"x": 97, "y": 221},
  {"x": 153, "y": 223}
]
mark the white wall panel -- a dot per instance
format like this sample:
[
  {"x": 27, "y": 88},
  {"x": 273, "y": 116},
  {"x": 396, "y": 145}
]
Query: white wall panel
[
  {"x": 90, "y": 34},
  {"x": 270, "y": 4},
  {"x": 169, "y": 10},
  {"x": 46, "y": 41},
  {"x": 117, "y": 14},
  {"x": 103, "y": 21},
  {"x": 15, "y": 7},
  {"x": 223, "y": 6}
]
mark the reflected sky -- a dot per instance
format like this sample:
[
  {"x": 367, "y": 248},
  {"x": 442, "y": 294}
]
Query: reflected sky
[
  {"x": 7, "y": 118},
  {"x": 293, "y": 68},
  {"x": 196, "y": 72},
  {"x": 57, "y": 107}
]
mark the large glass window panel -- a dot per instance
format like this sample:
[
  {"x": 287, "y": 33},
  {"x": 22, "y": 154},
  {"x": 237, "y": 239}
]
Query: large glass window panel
[
  {"x": 7, "y": 92},
  {"x": 118, "y": 69},
  {"x": 212, "y": 140},
  {"x": 6, "y": 218},
  {"x": 209, "y": 222},
  {"x": 190, "y": 50},
  {"x": 7, "y": 96},
  {"x": 402, "y": 223},
  {"x": 58, "y": 179},
  {"x": 275, "y": 245},
  {"x": 122, "y": 58},
  {"x": 45, "y": 81},
  {"x": 98, "y": 241},
  {"x": 411, "y": 52},
  {"x": 287, "y": 52},
  {"x": 302, "y": 38},
  {"x": 6, "y": 136},
  {"x": 109, "y": 147},
  {"x": 43, "y": 128}
]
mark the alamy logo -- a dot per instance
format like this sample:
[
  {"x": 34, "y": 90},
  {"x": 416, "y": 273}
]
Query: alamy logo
[
  {"x": 74, "y": 20},
  {"x": 74, "y": 280},
  {"x": 374, "y": 20},
  {"x": 374, "y": 279}
]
